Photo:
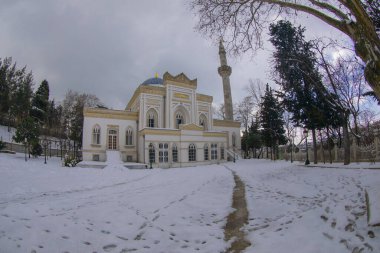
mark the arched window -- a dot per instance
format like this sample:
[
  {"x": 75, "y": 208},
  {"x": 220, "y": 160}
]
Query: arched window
[
  {"x": 152, "y": 118},
  {"x": 233, "y": 140},
  {"x": 181, "y": 116},
  {"x": 96, "y": 135},
  {"x": 179, "y": 119},
  {"x": 192, "y": 153},
  {"x": 152, "y": 154},
  {"x": 129, "y": 136},
  {"x": 163, "y": 152},
  {"x": 175, "y": 153},
  {"x": 203, "y": 121},
  {"x": 205, "y": 151},
  {"x": 214, "y": 151},
  {"x": 222, "y": 152}
]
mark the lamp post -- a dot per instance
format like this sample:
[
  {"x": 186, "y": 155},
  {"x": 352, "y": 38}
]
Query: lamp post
[
  {"x": 25, "y": 147},
  {"x": 45, "y": 146},
  {"x": 307, "y": 162}
]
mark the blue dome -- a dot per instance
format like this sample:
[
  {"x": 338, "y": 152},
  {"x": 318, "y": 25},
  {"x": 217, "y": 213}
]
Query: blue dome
[{"x": 153, "y": 81}]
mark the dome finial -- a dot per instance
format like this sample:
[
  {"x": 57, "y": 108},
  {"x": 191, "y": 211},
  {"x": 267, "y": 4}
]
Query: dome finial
[{"x": 156, "y": 75}]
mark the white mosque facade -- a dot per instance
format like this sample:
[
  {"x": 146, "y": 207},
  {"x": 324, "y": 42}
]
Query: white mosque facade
[{"x": 166, "y": 123}]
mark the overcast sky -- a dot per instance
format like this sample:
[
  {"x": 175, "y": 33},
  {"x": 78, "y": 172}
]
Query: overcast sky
[{"x": 109, "y": 47}]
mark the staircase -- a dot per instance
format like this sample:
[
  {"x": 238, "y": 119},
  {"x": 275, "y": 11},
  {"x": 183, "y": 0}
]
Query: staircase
[
  {"x": 231, "y": 155},
  {"x": 113, "y": 157}
]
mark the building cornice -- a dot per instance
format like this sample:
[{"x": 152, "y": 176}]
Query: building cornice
[
  {"x": 215, "y": 134},
  {"x": 226, "y": 123},
  {"x": 160, "y": 131},
  {"x": 191, "y": 127},
  {"x": 179, "y": 80},
  {"x": 109, "y": 114},
  {"x": 204, "y": 98},
  {"x": 147, "y": 89}
]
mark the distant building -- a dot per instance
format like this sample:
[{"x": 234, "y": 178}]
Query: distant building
[{"x": 166, "y": 123}]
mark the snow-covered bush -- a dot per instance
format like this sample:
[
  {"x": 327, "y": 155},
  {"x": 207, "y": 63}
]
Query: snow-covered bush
[{"x": 69, "y": 161}]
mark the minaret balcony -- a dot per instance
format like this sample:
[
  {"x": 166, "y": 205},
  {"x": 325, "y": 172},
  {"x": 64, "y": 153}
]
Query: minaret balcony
[{"x": 224, "y": 71}]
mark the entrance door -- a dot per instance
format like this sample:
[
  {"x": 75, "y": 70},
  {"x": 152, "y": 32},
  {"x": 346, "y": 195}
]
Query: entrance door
[{"x": 112, "y": 139}]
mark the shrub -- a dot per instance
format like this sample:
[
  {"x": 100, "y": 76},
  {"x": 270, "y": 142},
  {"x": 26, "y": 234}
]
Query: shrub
[
  {"x": 36, "y": 149},
  {"x": 2, "y": 145},
  {"x": 70, "y": 161}
]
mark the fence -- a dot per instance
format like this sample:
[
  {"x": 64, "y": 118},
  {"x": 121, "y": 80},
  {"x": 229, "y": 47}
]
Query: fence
[
  {"x": 52, "y": 149},
  {"x": 358, "y": 153}
]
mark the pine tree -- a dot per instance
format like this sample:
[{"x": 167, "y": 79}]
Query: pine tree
[
  {"x": 27, "y": 132},
  {"x": 302, "y": 91},
  {"x": 272, "y": 122},
  {"x": 40, "y": 103}
]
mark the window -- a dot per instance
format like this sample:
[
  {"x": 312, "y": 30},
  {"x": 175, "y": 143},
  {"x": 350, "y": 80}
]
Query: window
[
  {"x": 178, "y": 119},
  {"x": 214, "y": 151},
  {"x": 152, "y": 118},
  {"x": 175, "y": 153},
  {"x": 163, "y": 152},
  {"x": 222, "y": 152},
  {"x": 95, "y": 158},
  {"x": 233, "y": 140},
  {"x": 129, "y": 137},
  {"x": 96, "y": 135},
  {"x": 192, "y": 153},
  {"x": 112, "y": 139},
  {"x": 203, "y": 121},
  {"x": 129, "y": 158},
  {"x": 205, "y": 150},
  {"x": 152, "y": 154}
]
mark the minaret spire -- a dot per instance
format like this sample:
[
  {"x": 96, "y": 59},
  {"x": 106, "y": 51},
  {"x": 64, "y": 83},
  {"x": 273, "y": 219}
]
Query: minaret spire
[{"x": 225, "y": 71}]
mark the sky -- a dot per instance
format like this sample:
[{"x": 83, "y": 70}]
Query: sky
[{"x": 108, "y": 48}]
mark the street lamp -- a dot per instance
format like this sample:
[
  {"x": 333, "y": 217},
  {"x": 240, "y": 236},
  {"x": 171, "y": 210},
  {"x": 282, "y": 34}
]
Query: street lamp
[
  {"x": 45, "y": 146},
  {"x": 307, "y": 162},
  {"x": 25, "y": 147}
]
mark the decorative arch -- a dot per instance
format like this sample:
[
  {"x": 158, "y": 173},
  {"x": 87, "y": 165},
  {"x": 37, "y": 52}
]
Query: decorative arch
[
  {"x": 151, "y": 118},
  {"x": 181, "y": 116},
  {"x": 129, "y": 136},
  {"x": 203, "y": 121},
  {"x": 96, "y": 134}
]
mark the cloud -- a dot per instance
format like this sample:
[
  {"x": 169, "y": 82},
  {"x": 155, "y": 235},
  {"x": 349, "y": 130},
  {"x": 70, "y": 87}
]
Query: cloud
[{"x": 108, "y": 48}]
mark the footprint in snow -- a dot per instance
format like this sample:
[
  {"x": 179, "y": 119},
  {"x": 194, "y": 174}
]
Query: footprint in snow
[{"x": 109, "y": 247}]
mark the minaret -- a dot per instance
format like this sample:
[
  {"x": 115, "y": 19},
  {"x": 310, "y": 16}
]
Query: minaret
[{"x": 225, "y": 71}]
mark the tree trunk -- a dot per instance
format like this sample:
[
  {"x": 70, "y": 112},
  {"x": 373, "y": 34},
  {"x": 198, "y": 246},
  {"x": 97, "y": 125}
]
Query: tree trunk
[
  {"x": 315, "y": 151},
  {"x": 346, "y": 140},
  {"x": 328, "y": 144},
  {"x": 322, "y": 149}
]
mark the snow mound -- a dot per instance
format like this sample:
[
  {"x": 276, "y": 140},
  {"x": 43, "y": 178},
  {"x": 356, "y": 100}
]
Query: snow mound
[{"x": 373, "y": 205}]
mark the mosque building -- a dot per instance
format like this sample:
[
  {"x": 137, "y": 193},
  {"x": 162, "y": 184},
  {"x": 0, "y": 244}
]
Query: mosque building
[{"x": 166, "y": 123}]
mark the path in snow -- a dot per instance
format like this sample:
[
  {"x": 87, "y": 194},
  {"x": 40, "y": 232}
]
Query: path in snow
[{"x": 238, "y": 218}]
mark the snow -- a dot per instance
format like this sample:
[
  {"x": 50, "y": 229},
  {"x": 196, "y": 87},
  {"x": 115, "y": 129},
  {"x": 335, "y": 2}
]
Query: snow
[
  {"x": 6, "y": 135},
  {"x": 292, "y": 208},
  {"x": 307, "y": 209}
]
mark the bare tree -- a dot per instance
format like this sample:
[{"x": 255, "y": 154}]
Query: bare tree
[
  {"x": 243, "y": 21},
  {"x": 218, "y": 111},
  {"x": 345, "y": 76},
  {"x": 245, "y": 111},
  {"x": 256, "y": 89}
]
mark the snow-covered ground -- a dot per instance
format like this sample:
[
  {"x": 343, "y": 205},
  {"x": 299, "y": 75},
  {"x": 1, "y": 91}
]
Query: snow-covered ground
[{"x": 49, "y": 208}]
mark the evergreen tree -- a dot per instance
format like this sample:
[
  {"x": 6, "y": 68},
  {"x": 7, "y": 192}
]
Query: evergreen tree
[
  {"x": 272, "y": 122},
  {"x": 27, "y": 132},
  {"x": 302, "y": 91},
  {"x": 40, "y": 103}
]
